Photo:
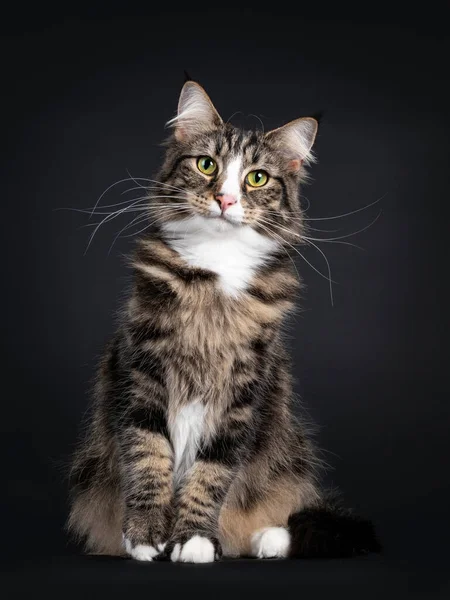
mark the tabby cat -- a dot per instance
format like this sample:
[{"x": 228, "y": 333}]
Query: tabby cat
[{"x": 192, "y": 450}]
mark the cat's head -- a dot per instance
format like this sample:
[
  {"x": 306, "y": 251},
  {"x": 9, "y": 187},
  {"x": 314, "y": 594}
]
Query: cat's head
[{"x": 223, "y": 177}]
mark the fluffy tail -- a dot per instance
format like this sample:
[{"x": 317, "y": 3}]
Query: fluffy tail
[{"x": 330, "y": 531}]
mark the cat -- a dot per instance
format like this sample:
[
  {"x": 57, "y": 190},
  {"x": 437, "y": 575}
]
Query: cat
[{"x": 193, "y": 450}]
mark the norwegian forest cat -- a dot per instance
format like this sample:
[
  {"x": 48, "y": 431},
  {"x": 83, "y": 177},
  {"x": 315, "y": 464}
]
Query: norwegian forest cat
[{"x": 193, "y": 450}]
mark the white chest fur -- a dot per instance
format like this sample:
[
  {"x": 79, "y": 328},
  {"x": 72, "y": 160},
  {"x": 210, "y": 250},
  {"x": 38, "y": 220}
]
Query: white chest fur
[
  {"x": 234, "y": 253},
  {"x": 186, "y": 429}
]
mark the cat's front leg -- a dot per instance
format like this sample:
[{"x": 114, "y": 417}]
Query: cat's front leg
[
  {"x": 200, "y": 498},
  {"x": 147, "y": 471},
  {"x": 195, "y": 534}
]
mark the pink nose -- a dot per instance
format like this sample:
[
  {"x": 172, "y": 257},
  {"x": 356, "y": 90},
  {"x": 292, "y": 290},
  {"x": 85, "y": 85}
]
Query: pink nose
[{"x": 225, "y": 201}]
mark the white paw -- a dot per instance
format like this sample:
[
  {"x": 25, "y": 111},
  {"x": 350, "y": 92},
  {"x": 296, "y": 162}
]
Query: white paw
[
  {"x": 144, "y": 552},
  {"x": 141, "y": 551},
  {"x": 196, "y": 550},
  {"x": 271, "y": 542}
]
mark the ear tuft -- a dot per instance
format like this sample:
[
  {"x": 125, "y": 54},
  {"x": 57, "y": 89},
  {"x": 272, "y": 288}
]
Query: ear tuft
[
  {"x": 196, "y": 113},
  {"x": 295, "y": 140},
  {"x": 319, "y": 116}
]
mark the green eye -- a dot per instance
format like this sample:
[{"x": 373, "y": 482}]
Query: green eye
[
  {"x": 257, "y": 178},
  {"x": 206, "y": 165}
]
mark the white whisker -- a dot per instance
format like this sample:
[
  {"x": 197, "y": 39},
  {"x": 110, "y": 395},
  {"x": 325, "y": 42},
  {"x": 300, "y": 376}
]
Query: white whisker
[
  {"x": 134, "y": 188},
  {"x": 135, "y": 179},
  {"x": 330, "y": 281},
  {"x": 348, "y": 213},
  {"x": 107, "y": 190},
  {"x": 307, "y": 200},
  {"x": 259, "y": 119},
  {"x": 146, "y": 227},
  {"x": 309, "y": 228},
  {"x": 304, "y": 237},
  {"x": 110, "y": 217},
  {"x": 135, "y": 221},
  {"x": 341, "y": 237},
  {"x": 129, "y": 202},
  {"x": 160, "y": 183},
  {"x": 140, "y": 218},
  {"x": 268, "y": 222},
  {"x": 234, "y": 114},
  {"x": 114, "y": 215},
  {"x": 328, "y": 267},
  {"x": 334, "y": 242},
  {"x": 141, "y": 210}
]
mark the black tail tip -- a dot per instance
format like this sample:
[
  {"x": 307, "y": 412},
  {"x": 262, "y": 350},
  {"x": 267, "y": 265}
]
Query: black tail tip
[{"x": 322, "y": 533}]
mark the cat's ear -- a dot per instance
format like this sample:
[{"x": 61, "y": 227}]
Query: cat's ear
[
  {"x": 196, "y": 113},
  {"x": 295, "y": 140}
]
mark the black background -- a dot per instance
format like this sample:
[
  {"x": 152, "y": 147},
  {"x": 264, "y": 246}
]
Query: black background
[{"x": 85, "y": 100}]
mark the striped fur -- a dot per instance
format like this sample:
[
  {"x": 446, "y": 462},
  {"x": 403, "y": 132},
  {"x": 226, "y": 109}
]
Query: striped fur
[{"x": 193, "y": 445}]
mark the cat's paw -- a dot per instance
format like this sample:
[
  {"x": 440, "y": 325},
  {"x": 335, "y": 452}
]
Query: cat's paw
[
  {"x": 271, "y": 542},
  {"x": 143, "y": 552},
  {"x": 197, "y": 549}
]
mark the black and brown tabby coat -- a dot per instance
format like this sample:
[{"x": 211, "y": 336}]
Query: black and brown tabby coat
[{"x": 185, "y": 341}]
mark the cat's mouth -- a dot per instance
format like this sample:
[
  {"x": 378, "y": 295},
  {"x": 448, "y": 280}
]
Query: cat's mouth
[{"x": 215, "y": 214}]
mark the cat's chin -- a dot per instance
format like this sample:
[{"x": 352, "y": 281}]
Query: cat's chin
[
  {"x": 200, "y": 224},
  {"x": 221, "y": 224}
]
